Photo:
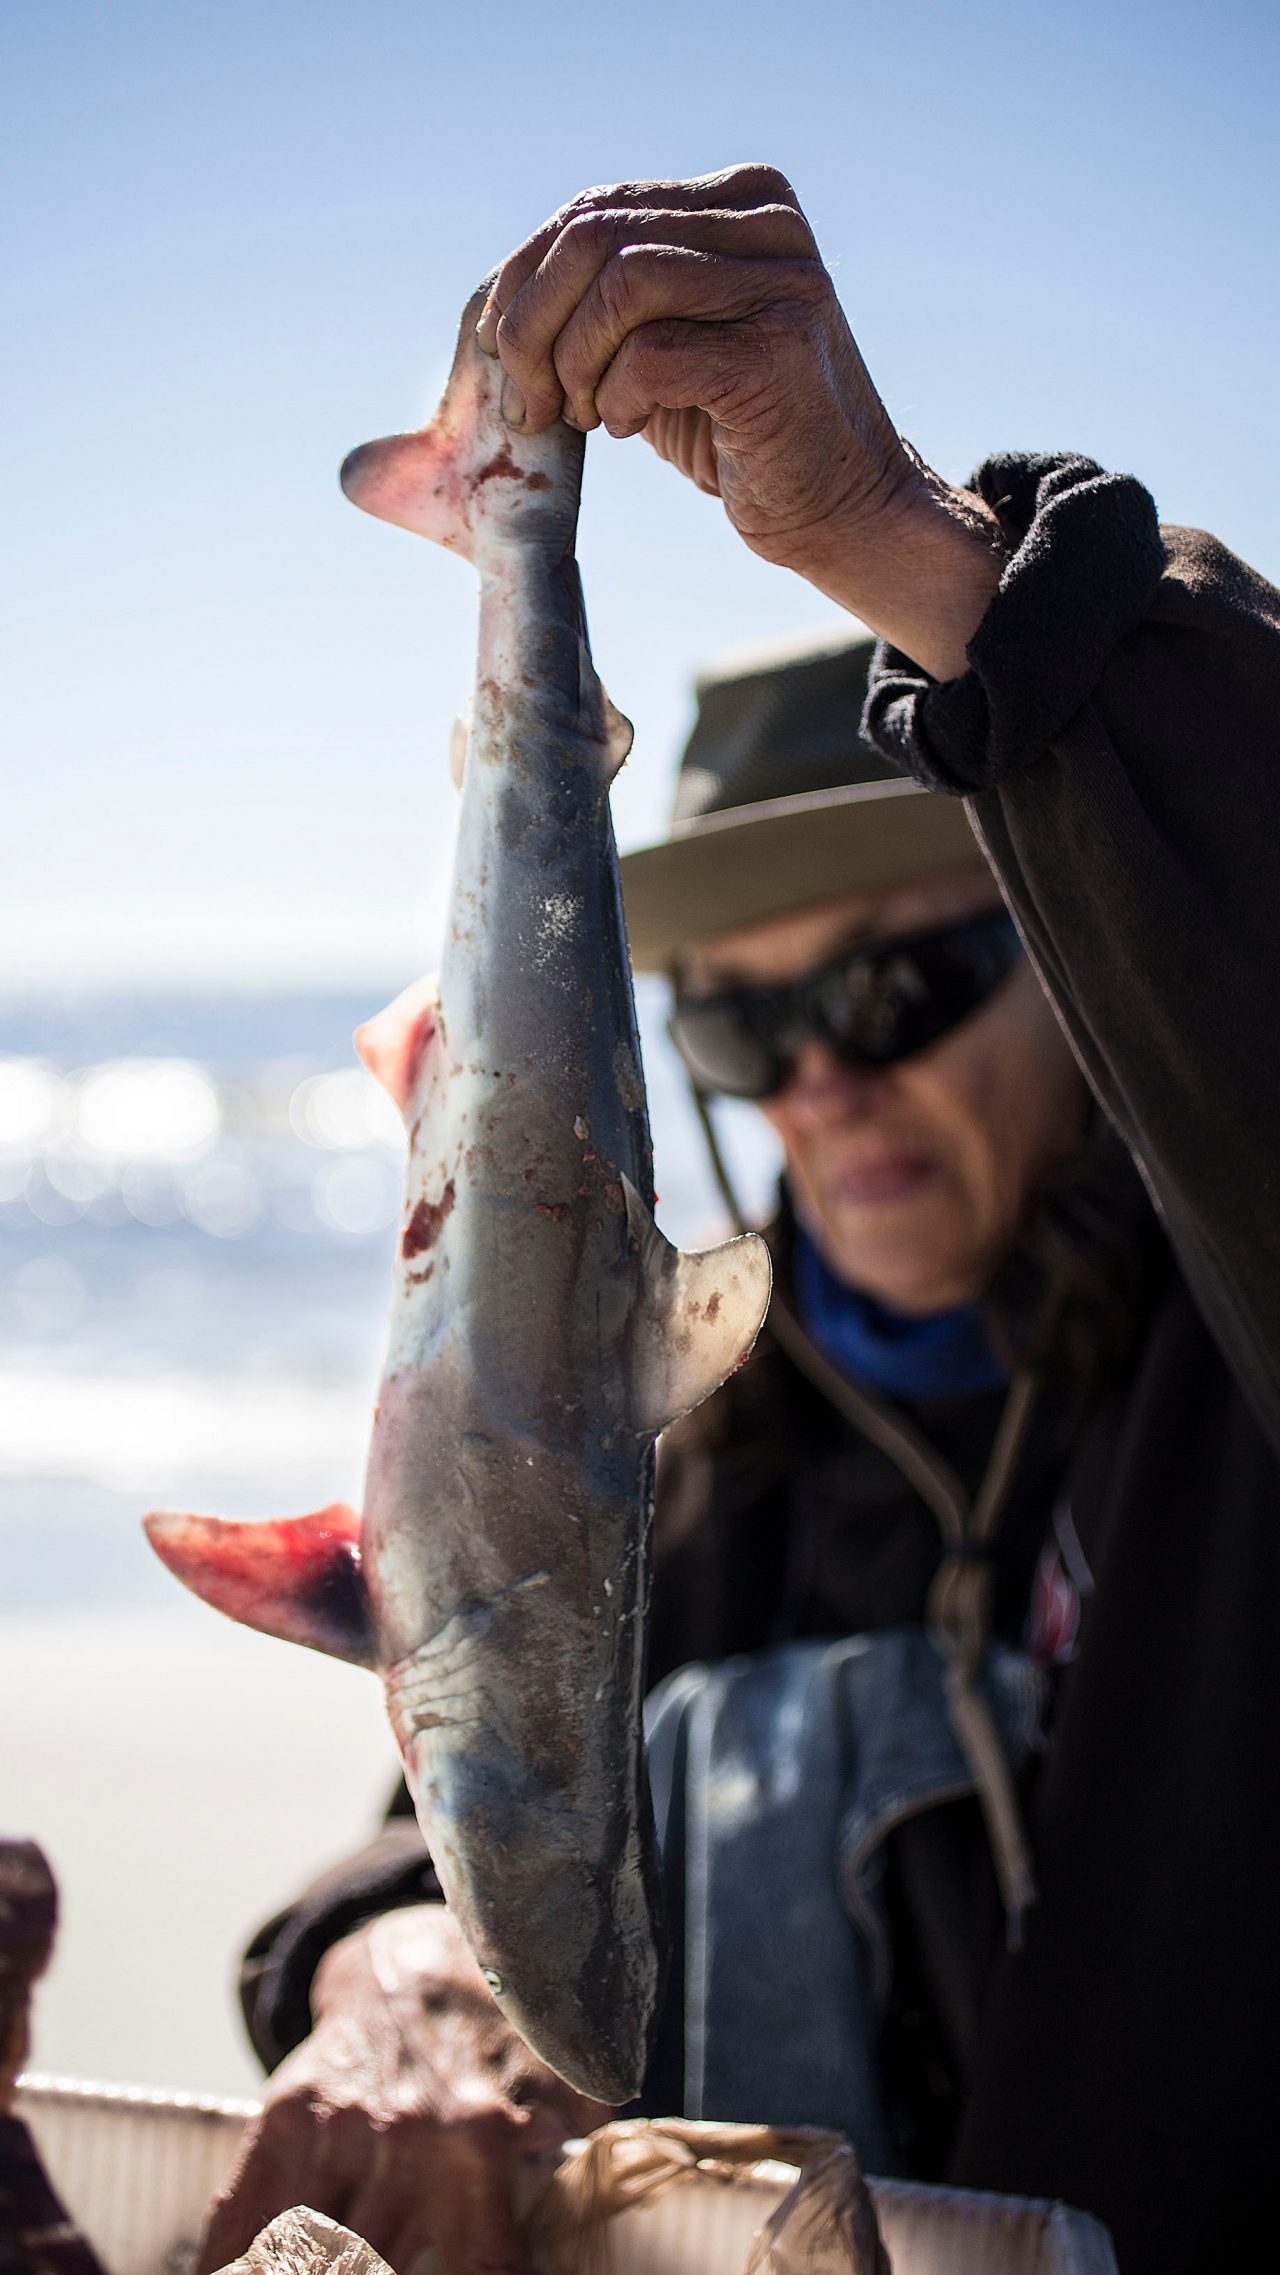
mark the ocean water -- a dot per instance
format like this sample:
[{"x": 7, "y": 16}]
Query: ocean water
[{"x": 198, "y": 1207}]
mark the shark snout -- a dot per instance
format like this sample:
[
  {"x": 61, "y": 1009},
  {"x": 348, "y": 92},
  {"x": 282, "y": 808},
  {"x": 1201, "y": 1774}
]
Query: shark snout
[
  {"x": 593, "y": 2022},
  {"x": 564, "y": 1921}
]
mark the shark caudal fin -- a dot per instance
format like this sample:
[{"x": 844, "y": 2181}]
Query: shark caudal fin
[
  {"x": 295, "y": 1577},
  {"x": 467, "y": 476},
  {"x": 696, "y": 1320}
]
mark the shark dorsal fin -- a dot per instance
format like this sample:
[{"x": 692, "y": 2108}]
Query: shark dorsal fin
[
  {"x": 295, "y": 1577},
  {"x": 696, "y": 1319}
]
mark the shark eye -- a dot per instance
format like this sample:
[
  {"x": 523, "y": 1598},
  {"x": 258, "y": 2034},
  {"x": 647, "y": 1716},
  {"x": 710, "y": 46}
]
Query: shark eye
[{"x": 494, "y": 1981}]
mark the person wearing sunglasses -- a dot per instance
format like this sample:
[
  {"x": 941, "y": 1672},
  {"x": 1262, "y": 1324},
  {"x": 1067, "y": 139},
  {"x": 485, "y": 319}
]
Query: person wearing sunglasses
[
  {"x": 968, "y": 1585},
  {"x": 840, "y": 957}
]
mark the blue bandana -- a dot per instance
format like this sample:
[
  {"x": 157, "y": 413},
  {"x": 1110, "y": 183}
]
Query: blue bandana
[{"x": 945, "y": 1354}]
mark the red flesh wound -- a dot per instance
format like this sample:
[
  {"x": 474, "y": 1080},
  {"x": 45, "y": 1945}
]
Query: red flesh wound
[
  {"x": 504, "y": 465},
  {"x": 424, "y": 1226}
]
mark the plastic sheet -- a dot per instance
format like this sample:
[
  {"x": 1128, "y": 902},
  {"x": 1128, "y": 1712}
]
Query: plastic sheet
[
  {"x": 751, "y": 2201},
  {"x": 302, "y": 2242},
  {"x": 667, "y": 2198}
]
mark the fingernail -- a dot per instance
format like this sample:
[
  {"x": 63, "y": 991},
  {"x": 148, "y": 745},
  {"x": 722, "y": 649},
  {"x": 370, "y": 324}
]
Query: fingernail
[{"x": 514, "y": 408}]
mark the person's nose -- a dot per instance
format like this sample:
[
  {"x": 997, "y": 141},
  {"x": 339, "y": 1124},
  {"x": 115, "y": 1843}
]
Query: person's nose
[{"x": 820, "y": 1091}]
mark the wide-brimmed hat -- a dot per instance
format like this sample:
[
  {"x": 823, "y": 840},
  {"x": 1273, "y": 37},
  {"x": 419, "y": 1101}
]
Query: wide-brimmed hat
[{"x": 780, "y": 803}]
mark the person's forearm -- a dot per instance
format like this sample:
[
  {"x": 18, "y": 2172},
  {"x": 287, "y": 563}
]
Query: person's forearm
[{"x": 921, "y": 574}]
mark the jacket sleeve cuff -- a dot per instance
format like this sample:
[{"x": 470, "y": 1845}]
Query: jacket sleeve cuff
[
  {"x": 1087, "y": 559},
  {"x": 279, "y": 1966}
]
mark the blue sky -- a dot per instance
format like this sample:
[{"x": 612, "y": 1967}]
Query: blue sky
[{"x": 236, "y": 240}]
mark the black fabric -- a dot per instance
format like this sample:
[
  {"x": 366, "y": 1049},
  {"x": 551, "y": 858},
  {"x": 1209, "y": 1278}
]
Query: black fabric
[
  {"x": 1124, "y": 2058},
  {"x": 1138, "y": 851},
  {"x": 1086, "y": 569},
  {"x": 777, "y": 1521},
  {"x": 1120, "y": 724}
]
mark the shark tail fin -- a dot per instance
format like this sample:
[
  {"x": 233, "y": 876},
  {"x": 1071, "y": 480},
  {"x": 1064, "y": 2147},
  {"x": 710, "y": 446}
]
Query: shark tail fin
[
  {"x": 298, "y": 1578},
  {"x": 467, "y": 472},
  {"x": 696, "y": 1320}
]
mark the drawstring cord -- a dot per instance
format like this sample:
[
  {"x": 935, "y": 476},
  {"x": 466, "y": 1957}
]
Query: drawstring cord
[{"x": 958, "y": 1611}]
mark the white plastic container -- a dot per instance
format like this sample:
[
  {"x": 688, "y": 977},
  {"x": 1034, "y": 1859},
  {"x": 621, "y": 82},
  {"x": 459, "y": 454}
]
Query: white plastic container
[{"x": 137, "y": 2169}]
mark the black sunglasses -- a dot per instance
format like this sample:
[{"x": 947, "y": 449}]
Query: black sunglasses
[{"x": 871, "y": 1006}]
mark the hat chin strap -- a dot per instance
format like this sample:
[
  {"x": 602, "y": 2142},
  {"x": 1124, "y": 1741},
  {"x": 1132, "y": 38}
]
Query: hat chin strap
[
  {"x": 719, "y": 1166},
  {"x": 958, "y": 1611}
]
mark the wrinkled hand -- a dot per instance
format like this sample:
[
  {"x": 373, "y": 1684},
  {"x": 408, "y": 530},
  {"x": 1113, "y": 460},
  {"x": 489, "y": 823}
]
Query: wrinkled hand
[
  {"x": 408, "y": 2111},
  {"x": 700, "y": 315}
]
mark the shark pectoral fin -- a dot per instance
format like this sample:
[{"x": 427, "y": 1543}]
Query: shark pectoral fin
[
  {"x": 697, "y": 1318},
  {"x": 620, "y": 732},
  {"x": 396, "y": 1043},
  {"x": 295, "y": 1577}
]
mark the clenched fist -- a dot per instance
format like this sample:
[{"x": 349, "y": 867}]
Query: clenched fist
[{"x": 700, "y": 315}]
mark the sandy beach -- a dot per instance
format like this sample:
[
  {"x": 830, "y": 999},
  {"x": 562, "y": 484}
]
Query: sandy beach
[{"x": 183, "y": 1776}]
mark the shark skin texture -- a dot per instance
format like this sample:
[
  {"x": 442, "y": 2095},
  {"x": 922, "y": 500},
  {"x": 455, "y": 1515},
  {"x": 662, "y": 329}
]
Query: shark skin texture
[{"x": 543, "y": 1331}]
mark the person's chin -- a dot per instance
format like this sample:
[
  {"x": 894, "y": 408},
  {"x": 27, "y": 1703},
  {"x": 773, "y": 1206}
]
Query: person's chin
[
  {"x": 878, "y": 1188},
  {"x": 897, "y": 1245}
]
